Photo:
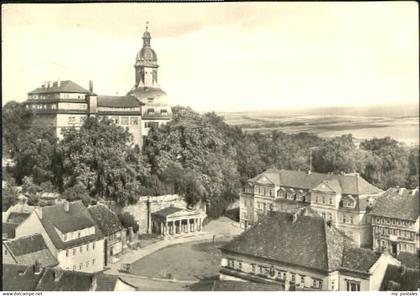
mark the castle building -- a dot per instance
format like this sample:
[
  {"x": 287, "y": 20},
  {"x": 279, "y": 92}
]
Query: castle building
[
  {"x": 345, "y": 200},
  {"x": 395, "y": 221},
  {"x": 63, "y": 104}
]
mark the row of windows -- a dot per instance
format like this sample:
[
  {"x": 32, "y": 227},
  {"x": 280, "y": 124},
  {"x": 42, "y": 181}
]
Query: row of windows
[
  {"x": 151, "y": 111},
  {"x": 264, "y": 207},
  {"x": 74, "y": 250},
  {"x": 393, "y": 222},
  {"x": 42, "y": 106},
  {"x": 84, "y": 264},
  {"x": 393, "y": 231},
  {"x": 298, "y": 196},
  {"x": 261, "y": 190},
  {"x": 125, "y": 120},
  {"x": 76, "y": 119},
  {"x": 353, "y": 286},
  {"x": 324, "y": 200},
  {"x": 278, "y": 274}
]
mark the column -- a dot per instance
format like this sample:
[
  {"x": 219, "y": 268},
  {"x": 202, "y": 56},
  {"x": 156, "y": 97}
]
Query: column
[
  {"x": 201, "y": 224},
  {"x": 166, "y": 227},
  {"x": 161, "y": 228},
  {"x": 188, "y": 225}
]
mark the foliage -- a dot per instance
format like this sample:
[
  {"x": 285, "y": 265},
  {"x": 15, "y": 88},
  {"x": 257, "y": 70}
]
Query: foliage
[
  {"x": 16, "y": 120},
  {"x": 77, "y": 192},
  {"x": 127, "y": 220},
  {"x": 9, "y": 195}
]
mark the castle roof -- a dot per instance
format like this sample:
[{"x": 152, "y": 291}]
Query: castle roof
[
  {"x": 66, "y": 86},
  {"x": 118, "y": 102}
]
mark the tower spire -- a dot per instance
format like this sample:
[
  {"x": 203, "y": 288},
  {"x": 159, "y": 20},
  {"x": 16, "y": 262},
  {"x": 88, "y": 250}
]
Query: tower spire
[{"x": 146, "y": 36}]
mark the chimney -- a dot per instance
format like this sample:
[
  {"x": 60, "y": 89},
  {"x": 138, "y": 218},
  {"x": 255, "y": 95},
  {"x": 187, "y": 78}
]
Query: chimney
[
  {"x": 90, "y": 86},
  {"x": 401, "y": 191},
  {"x": 329, "y": 224},
  {"x": 94, "y": 282},
  {"x": 414, "y": 191},
  {"x": 66, "y": 205},
  {"x": 58, "y": 272},
  {"x": 37, "y": 267},
  {"x": 58, "y": 83},
  {"x": 50, "y": 83}
]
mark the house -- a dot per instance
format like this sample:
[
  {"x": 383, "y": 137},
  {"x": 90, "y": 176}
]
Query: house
[
  {"x": 343, "y": 199},
  {"x": 36, "y": 278},
  {"x": 395, "y": 221},
  {"x": 28, "y": 250},
  {"x": 21, "y": 277},
  {"x": 70, "y": 233},
  {"x": 301, "y": 251},
  {"x": 114, "y": 233},
  {"x": 56, "y": 279},
  {"x": 13, "y": 217}
]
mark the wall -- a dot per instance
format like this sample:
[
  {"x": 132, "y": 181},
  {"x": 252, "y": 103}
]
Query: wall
[
  {"x": 7, "y": 257},
  {"x": 121, "y": 286},
  {"x": 378, "y": 270},
  {"x": 364, "y": 283},
  {"x": 73, "y": 262}
]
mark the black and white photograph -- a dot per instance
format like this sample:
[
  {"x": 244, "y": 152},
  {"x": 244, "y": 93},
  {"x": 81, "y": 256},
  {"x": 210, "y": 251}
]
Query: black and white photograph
[{"x": 210, "y": 146}]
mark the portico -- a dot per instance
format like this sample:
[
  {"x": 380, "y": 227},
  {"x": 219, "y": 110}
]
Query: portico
[{"x": 176, "y": 221}]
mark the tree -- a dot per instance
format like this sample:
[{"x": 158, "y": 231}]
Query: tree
[
  {"x": 127, "y": 220},
  {"x": 9, "y": 196},
  {"x": 413, "y": 167},
  {"x": 77, "y": 192},
  {"x": 16, "y": 120}
]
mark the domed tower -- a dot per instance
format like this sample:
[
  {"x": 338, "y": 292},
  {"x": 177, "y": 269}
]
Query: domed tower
[
  {"x": 156, "y": 109},
  {"x": 146, "y": 64}
]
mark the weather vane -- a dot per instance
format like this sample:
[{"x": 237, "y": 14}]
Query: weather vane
[{"x": 147, "y": 25}]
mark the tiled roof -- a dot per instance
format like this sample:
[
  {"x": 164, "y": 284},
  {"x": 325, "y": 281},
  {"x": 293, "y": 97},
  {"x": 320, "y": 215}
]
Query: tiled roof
[
  {"x": 26, "y": 250},
  {"x": 66, "y": 86},
  {"x": 17, "y": 217},
  {"x": 105, "y": 219},
  {"x": 220, "y": 285},
  {"x": 306, "y": 242},
  {"x": 19, "y": 278},
  {"x": 106, "y": 282},
  {"x": 349, "y": 183},
  {"x": 76, "y": 218},
  {"x": 8, "y": 229},
  {"x": 27, "y": 244},
  {"x": 409, "y": 260},
  {"x": 359, "y": 259},
  {"x": 118, "y": 102},
  {"x": 167, "y": 211},
  {"x": 66, "y": 281},
  {"x": 392, "y": 204}
]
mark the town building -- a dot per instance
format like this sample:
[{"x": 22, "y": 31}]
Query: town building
[
  {"x": 70, "y": 233},
  {"x": 175, "y": 221},
  {"x": 63, "y": 104},
  {"x": 302, "y": 251},
  {"x": 28, "y": 250},
  {"x": 343, "y": 199},
  {"x": 13, "y": 217},
  {"x": 112, "y": 229},
  {"x": 395, "y": 221},
  {"x": 38, "y": 278}
]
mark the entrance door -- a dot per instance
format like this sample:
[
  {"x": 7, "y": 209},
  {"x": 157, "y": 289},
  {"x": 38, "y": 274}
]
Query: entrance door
[{"x": 394, "y": 249}]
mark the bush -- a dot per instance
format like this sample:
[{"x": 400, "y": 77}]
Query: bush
[{"x": 128, "y": 220}]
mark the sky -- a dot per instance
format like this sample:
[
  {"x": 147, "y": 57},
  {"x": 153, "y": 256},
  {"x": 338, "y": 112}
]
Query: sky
[{"x": 221, "y": 56}]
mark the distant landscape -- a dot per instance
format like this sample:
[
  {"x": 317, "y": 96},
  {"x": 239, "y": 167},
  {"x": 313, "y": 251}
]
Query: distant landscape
[{"x": 398, "y": 122}]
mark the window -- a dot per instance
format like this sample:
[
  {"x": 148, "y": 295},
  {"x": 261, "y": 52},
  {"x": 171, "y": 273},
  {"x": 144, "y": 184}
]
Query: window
[
  {"x": 323, "y": 216},
  {"x": 302, "y": 279},
  {"x": 134, "y": 121},
  {"x": 253, "y": 269},
  {"x": 87, "y": 247},
  {"x": 332, "y": 285},
  {"x": 351, "y": 219},
  {"x": 353, "y": 286},
  {"x": 329, "y": 216},
  {"x": 293, "y": 277},
  {"x": 151, "y": 111},
  {"x": 316, "y": 283},
  {"x": 74, "y": 251},
  {"x": 67, "y": 253},
  {"x": 323, "y": 199},
  {"x": 93, "y": 261},
  {"x": 80, "y": 266},
  {"x": 81, "y": 249},
  {"x": 330, "y": 201},
  {"x": 344, "y": 218},
  {"x": 163, "y": 111},
  {"x": 93, "y": 245},
  {"x": 124, "y": 120},
  {"x": 261, "y": 269},
  {"x": 87, "y": 264},
  {"x": 239, "y": 265},
  {"x": 74, "y": 267},
  {"x": 78, "y": 234}
]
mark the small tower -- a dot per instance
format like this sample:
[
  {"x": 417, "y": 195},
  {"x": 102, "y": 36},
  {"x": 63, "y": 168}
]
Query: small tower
[{"x": 146, "y": 66}]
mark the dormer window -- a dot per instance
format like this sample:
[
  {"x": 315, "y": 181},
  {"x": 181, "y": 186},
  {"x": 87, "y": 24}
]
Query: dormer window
[
  {"x": 163, "y": 111},
  {"x": 151, "y": 111}
]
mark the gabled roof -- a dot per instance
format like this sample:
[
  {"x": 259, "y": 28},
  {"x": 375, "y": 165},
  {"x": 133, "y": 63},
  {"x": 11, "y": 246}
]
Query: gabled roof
[
  {"x": 19, "y": 277},
  {"x": 143, "y": 93},
  {"x": 75, "y": 219},
  {"x": 349, "y": 183},
  {"x": 359, "y": 259},
  {"x": 26, "y": 250},
  {"x": 397, "y": 203},
  {"x": 66, "y": 86},
  {"x": 306, "y": 241},
  {"x": 18, "y": 218},
  {"x": 118, "y": 102},
  {"x": 329, "y": 186},
  {"x": 105, "y": 219},
  {"x": 65, "y": 280}
]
